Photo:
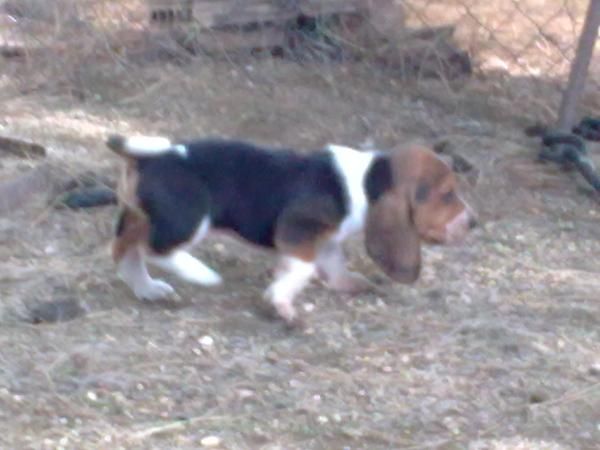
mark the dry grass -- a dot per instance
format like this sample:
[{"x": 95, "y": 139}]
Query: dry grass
[{"x": 496, "y": 347}]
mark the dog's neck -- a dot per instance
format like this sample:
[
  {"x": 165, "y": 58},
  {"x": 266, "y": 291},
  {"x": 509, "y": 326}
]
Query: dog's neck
[
  {"x": 378, "y": 178},
  {"x": 356, "y": 169}
]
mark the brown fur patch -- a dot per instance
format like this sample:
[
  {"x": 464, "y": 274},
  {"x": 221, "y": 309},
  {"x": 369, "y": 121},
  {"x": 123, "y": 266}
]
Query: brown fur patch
[
  {"x": 134, "y": 229},
  {"x": 422, "y": 201},
  {"x": 306, "y": 250}
]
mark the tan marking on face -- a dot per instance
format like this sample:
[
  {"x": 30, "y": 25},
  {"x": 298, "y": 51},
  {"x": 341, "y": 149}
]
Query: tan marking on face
[
  {"x": 422, "y": 205},
  {"x": 442, "y": 216}
]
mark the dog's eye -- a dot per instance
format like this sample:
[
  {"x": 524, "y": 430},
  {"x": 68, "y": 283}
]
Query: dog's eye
[{"x": 448, "y": 197}]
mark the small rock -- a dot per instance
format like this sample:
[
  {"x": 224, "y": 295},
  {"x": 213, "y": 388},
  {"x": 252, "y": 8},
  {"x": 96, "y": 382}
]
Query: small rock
[
  {"x": 87, "y": 197},
  {"x": 56, "y": 311},
  {"x": 245, "y": 393},
  {"x": 322, "y": 420},
  {"x": 206, "y": 342},
  {"x": 537, "y": 397},
  {"x": 272, "y": 357},
  {"x": 309, "y": 307},
  {"x": 210, "y": 441}
]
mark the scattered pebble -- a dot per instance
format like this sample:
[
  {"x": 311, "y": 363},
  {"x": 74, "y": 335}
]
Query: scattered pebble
[
  {"x": 309, "y": 307},
  {"x": 322, "y": 420},
  {"x": 272, "y": 357},
  {"x": 210, "y": 441},
  {"x": 91, "y": 395},
  {"x": 245, "y": 393},
  {"x": 206, "y": 341},
  {"x": 537, "y": 397}
]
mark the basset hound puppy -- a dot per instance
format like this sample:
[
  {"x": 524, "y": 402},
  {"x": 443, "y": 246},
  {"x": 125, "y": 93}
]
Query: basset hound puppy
[{"x": 302, "y": 205}]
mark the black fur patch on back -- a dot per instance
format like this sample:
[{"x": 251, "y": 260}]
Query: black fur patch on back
[
  {"x": 239, "y": 186},
  {"x": 175, "y": 200},
  {"x": 379, "y": 178}
]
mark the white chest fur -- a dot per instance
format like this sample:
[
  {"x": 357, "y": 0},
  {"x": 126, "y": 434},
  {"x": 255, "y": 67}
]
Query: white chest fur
[{"x": 353, "y": 166}]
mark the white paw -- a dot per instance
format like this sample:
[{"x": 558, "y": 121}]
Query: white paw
[
  {"x": 155, "y": 290},
  {"x": 205, "y": 277},
  {"x": 283, "y": 306}
]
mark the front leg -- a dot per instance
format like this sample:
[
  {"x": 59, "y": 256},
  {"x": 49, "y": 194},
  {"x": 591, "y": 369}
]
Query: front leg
[
  {"x": 331, "y": 264},
  {"x": 299, "y": 233},
  {"x": 291, "y": 276}
]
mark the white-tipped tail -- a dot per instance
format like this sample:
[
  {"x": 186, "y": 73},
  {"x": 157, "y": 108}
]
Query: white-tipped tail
[
  {"x": 147, "y": 145},
  {"x": 143, "y": 146}
]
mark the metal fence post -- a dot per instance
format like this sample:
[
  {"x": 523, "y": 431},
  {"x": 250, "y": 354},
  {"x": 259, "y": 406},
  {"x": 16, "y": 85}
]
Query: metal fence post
[{"x": 579, "y": 69}]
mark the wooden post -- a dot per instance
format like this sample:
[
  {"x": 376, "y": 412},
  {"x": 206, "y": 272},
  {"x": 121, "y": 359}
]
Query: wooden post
[{"x": 579, "y": 69}]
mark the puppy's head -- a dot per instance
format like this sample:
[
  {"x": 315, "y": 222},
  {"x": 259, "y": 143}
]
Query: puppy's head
[{"x": 422, "y": 205}]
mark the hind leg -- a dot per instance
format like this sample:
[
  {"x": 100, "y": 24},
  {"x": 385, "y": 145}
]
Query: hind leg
[
  {"x": 132, "y": 270},
  {"x": 187, "y": 267},
  {"x": 179, "y": 262},
  {"x": 132, "y": 230}
]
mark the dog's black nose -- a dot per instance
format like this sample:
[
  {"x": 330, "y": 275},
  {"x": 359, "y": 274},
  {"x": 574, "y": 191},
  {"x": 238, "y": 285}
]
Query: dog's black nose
[{"x": 472, "y": 222}]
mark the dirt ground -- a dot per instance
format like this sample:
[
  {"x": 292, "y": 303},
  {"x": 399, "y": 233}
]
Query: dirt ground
[{"x": 497, "y": 346}]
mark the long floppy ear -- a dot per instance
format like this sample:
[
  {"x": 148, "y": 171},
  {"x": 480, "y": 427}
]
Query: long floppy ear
[{"x": 391, "y": 239}]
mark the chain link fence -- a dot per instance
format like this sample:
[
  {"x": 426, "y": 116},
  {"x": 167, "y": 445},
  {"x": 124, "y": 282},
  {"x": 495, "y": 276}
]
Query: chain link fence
[
  {"x": 522, "y": 37},
  {"x": 534, "y": 38},
  {"x": 537, "y": 39}
]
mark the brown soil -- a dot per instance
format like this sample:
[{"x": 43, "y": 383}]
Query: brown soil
[{"x": 496, "y": 347}]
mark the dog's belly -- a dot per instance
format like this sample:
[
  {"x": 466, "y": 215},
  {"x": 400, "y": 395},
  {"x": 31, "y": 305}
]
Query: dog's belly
[{"x": 261, "y": 235}]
